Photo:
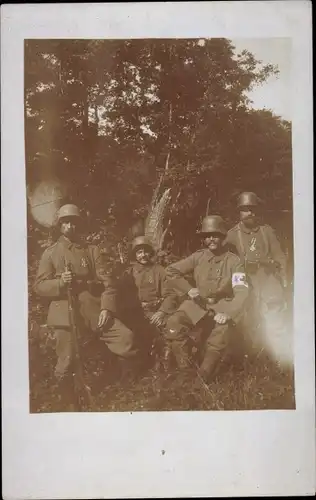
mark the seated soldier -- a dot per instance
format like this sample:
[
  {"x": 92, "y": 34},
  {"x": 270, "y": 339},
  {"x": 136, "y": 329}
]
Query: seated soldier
[
  {"x": 146, "y": 299},
  {"x": 215, "y": 303},
  {"x": 71, "y": 262}
]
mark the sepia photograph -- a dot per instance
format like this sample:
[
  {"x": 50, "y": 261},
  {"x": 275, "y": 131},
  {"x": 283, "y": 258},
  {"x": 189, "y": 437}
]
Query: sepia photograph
[
  {"x": 157, "y": 210},
  {"x": 159, "y": 224}
]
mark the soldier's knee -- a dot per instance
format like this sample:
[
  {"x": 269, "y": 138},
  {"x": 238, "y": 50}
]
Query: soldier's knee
[
  {"x": 127, "y": 339},
  {"x": 85, "y": 296},
  {"x": 62, "y": 367},
  {"x": 219, "y": 337},
  {"x": 63, "y": 342},
  {"x": 175, "y": 327}
]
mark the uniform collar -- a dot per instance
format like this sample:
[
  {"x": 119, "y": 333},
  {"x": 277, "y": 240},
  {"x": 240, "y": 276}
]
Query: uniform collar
[
  {"x": 70, "y": 244},
  {"x": 140, "y": 267},
  {"x": 212, "y": 256},
  {"x": 248, "y": 230}
]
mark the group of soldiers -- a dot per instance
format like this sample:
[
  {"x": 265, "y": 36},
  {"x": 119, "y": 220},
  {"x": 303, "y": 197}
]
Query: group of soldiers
[{"x": 243, "y": 269}]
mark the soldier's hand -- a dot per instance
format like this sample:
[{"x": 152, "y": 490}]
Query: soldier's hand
[
  {"x": 158, "y": 318},
  {"x": 104, "y": 318},
  {"x": 211, "y": 301},
  {"x": 66, "y": 277},
  {"x": 193, "y": 293},
  {"x": 221, "y": 318}
]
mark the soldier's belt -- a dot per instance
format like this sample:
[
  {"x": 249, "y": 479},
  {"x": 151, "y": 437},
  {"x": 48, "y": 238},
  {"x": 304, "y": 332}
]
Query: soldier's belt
[
  {"x": 254, "y": 265},
  {"x": 87, "y": 282},
  {"x": 95, "y": 287}
]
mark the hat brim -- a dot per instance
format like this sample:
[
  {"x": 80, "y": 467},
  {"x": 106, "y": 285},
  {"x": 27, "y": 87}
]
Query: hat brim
[
  {"x": 74, "y": 217},
  {"x": 203, "y": 233},
  {"x": 142, "y": 245},
  {"x": 250, "y": 205}
]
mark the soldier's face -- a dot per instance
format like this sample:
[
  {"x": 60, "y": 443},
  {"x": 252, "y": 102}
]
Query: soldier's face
[
  {"x": 69, "y": 227},
  {"x": 248, "y": 215},
  {"x": 143, "y": 255},
  {"x": 214, "y": 241}
]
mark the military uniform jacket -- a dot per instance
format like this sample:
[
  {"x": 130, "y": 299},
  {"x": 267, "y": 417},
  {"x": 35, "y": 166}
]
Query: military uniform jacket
[
  {"x": 86, "y": 264},
  {"x": 220, "y": 277},
  {"x": 257, "y": 245},
  {"x": 150, "y": 287}
]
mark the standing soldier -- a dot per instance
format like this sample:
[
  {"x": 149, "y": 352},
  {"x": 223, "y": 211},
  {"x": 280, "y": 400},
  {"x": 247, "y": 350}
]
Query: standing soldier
[
  {"x": 148, "y": 301},
  {"x": 215, "y": 301},
  {"x": 71, "y": 262},
  {"x": 264, "y": 260}
]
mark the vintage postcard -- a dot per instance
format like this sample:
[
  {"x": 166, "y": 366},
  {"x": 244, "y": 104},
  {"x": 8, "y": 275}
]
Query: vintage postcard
[{"x": 157, "y": 175}]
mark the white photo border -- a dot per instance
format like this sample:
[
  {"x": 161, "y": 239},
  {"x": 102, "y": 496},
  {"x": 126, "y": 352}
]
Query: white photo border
[{"x": 116, "y": 455}]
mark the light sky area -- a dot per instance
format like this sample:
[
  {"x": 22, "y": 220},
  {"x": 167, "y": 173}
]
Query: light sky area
[{"x": 275, "y": 93}]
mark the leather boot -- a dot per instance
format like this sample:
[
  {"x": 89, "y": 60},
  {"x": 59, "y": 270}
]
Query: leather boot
[
  {"x": 166, "y": 358},
  {"x": 130, "y": 369},
  {"x": 185, "y": 370},
  {"x": 180, "y": 351},
  {"x": 209, "y": 365}
]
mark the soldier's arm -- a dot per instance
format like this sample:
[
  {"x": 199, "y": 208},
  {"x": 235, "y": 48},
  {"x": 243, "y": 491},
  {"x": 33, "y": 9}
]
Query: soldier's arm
[
  {"x": 240, "y": 287},
  {"x": 170, "y": 297},
  {"x": 277, "y": 253},
  {"x": 127, "y": 291},
  {"x": 108, "y": 297},
  {"x": 177, "y": 271},
  {"x": 230, "y": 242},
  {"x": 46, "y": 283}
]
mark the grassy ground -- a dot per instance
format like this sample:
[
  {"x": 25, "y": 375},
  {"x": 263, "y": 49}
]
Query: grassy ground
[{"x": 249, "y": 383}]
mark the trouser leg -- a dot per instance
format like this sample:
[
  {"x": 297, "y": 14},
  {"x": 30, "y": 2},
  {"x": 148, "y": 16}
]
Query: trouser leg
[
  {"x": 157, "y": 348},
  {"x": 215, "y": 349},
  {"x": 63, "y": 351},
  {"x": 118, "y": 337},
  {"x": 64, "y": 368},
  {"x": 147, "y": 334},
  {"x": 120, "y": 341},
  {"x": 176, "y": 334},
  {"x": 251, "y": 322}
]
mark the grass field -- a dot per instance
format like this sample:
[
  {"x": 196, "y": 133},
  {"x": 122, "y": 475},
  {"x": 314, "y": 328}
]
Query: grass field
[{"x": 249, "y": 383}]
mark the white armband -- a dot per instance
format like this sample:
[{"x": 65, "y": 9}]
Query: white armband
[{"x": 239, "y": 279}]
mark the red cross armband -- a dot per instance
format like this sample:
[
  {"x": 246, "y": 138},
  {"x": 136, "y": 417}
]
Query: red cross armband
[{"x": 239, "y": 279}]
